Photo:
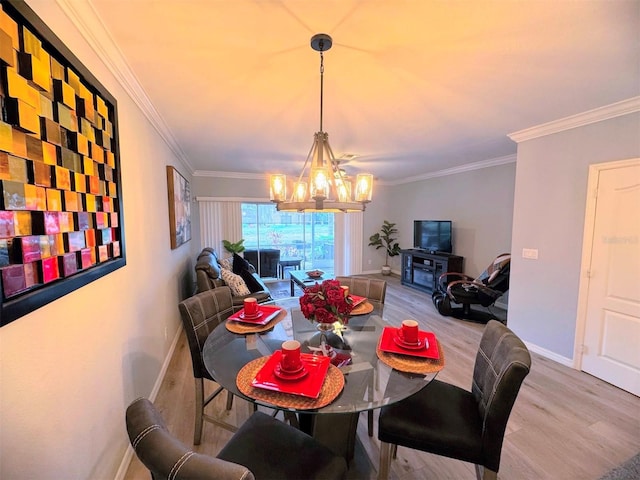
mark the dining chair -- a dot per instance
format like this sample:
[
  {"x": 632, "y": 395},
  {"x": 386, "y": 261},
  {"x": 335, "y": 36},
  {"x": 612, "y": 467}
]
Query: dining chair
[
  {"x": 201, "y": 314},
  {"x": 263, "y": 448},
  {"x": 447, "y": 420},
  {"x": 374, "y": 289}
]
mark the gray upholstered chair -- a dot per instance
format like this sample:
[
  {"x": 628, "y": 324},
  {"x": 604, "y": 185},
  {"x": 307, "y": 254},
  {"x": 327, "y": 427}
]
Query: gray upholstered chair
[
  {"x": 200, "y": 315},
  {"x": 372, "y": 288},
  {"x": 450, "y": 421},
  {"x": 263, "y": 448}
]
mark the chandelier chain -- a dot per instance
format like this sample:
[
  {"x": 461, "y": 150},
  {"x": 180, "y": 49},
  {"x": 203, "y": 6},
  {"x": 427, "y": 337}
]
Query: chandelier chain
[{"x": 321, "y": 86}]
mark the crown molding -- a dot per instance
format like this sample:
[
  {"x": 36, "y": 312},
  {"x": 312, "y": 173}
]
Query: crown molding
[
  {"x": 252, "y": 176},
  {"x": 455, "y": 170},
  {"x": 233, "y": 199},
  {"x": 441, "y": 173},
  {"x": 90, "y": 26},
  {"x": 240, "y": 175},
  {"x": 618, "y": 109}
]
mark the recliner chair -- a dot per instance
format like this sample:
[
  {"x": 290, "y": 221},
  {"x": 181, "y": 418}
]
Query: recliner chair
[{"x": 458, "y": 288}]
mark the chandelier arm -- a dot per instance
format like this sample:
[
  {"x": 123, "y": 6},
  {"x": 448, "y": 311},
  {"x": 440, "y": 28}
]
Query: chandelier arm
[
  {"x": 334, "y": 168},
  {"x": 304, "y": 168}
]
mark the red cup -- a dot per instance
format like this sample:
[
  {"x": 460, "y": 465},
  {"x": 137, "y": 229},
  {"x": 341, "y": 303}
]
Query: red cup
[
  {"x": 250, "y": 307},
  {"x": 290, "y": 356},
  {"x": 410, "y": 331}
]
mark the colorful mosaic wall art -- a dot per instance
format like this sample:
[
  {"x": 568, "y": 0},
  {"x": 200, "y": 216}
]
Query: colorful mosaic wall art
[{"x": 60, "y": 198}]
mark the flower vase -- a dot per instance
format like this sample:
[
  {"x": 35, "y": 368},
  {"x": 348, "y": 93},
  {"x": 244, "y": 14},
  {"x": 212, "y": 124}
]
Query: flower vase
[
  {"x": 324, "y": 345},
  {"x": 325, "y": 341}
]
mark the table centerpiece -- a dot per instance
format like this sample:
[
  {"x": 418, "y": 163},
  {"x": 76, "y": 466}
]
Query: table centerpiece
[{"x": 328, "y": 305}]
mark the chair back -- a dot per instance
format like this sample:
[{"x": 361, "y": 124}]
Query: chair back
[
  {"x": 502, "y": 363},
  {"x": 200, "y": 315},
  {"x": 496, "y": 276},
  {"x": 168, "y": 458},
  {"x": 372, "y": 288}
]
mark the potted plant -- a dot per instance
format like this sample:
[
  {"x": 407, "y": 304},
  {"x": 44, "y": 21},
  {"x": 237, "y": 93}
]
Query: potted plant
[
  {"x": 385, "y": 239},
  {"x": 237, "y": 247}
]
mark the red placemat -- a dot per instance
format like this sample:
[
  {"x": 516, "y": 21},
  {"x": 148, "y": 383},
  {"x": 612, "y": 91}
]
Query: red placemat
[
  {"x": 389, "y": 343},
  {"x": 333, "y": 385},
  {"x": 357, "y": 300},
  {"x": 309, "y": 385},
  {"x": 266, "y": 313}
]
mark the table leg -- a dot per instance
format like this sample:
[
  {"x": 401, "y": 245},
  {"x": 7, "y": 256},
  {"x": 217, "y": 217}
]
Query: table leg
[
  {"x": 292, "y": 286},
  {"x": 337, "y": 431}
]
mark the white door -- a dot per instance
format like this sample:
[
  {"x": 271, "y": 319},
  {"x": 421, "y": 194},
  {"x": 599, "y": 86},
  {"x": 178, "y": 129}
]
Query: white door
[{"x": 612, "y": 326}]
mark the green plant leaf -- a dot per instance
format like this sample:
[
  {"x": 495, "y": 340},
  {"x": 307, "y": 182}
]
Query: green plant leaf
[{"x": 231, "y": 247}]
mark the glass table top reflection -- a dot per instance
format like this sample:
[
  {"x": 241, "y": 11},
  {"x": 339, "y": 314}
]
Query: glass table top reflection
[{"x": 369, "y": 383}]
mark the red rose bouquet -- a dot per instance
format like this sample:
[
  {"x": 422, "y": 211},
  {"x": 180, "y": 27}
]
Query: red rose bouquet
[{"x": 326, "y": 302}]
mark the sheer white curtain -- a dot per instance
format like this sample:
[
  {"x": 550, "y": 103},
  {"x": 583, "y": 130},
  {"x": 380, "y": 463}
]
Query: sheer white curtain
[
  {"x": 348, "y": 243},
  {"x": 220, "y": 221}
]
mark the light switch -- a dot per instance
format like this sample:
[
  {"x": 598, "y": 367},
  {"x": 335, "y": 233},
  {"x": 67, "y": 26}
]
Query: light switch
[{"x": 530, "y": 253}]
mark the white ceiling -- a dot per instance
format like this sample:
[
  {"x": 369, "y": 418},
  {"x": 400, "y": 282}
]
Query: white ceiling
[{"x": 411, "y": 87}]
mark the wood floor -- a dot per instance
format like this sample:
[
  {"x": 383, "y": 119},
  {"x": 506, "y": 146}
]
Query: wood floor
[{"x": 565, "y": 424}]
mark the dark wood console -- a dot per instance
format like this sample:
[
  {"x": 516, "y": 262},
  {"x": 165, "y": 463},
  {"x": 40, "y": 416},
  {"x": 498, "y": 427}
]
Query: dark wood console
[{"x": 421, "y": 269}]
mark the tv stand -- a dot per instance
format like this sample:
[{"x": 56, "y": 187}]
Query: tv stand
[{"x": 421, "y": 269}]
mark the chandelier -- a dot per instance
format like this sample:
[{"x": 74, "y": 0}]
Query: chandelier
[{"x": 326, "y": 188}]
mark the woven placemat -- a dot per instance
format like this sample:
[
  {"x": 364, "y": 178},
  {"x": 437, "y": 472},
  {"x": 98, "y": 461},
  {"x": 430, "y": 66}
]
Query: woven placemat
[
  {"x": 410, "y": 364},
  {"x": 246, "y": 328},
  {"x": 363, "y": 308},
  {"x": 331, "y": 388}
]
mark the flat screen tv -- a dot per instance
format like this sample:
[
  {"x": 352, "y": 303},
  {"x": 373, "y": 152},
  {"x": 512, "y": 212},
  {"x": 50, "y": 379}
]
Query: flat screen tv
[{"x": 432, "y": 235}]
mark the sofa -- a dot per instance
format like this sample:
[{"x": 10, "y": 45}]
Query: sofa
[{"x": 236, "y": 273}]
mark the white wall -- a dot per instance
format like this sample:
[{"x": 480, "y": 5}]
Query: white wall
[
  {"x": 69, "y": 369},
  {"x": 380, "y": 209},
  {"x": 549, "y": 210},
  {"x": 478, "y": 202}
]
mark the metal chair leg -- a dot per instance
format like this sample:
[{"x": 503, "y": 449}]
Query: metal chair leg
[
  {"x": 292, "y": 419},
  {"x": 197, "y": 431},
  {"x": 483, "y": 473},
  {"x": 229, "y": 400},
  {"x": 385, "y": 461}
]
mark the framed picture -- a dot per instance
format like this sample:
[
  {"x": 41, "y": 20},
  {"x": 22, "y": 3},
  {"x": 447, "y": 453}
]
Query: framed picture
[
  {"x": 179, "y": 207},
  {"x": 61, "y": 215}
]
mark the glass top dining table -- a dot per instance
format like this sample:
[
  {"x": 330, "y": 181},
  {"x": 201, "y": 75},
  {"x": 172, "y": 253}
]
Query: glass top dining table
[{"x": 369, "y": 382}]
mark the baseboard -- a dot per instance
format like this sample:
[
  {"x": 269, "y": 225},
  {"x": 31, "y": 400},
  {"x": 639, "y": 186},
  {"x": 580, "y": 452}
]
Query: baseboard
[
  {"x": 370, "y": 272},
  {"x": 567, "y": 362},
  {"x": 502, "y": 305},
  {"x": 373, "y": 272},
  {"x": 128, "y": 455}
]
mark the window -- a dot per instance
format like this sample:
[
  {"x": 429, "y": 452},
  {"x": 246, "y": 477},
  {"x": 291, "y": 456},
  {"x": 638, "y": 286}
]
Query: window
[{"x": 271, "y": 236}]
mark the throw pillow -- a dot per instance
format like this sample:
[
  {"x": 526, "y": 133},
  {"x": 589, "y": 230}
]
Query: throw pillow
[
  {"x": 234, "y": 282},
  {"x": 252, "y": 283},
  {"x": 240, "y": 264},
  {"x": 226, "y": 263}
]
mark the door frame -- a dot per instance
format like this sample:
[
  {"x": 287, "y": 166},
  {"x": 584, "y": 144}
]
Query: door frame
[{"x": 587, "y": 250}]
